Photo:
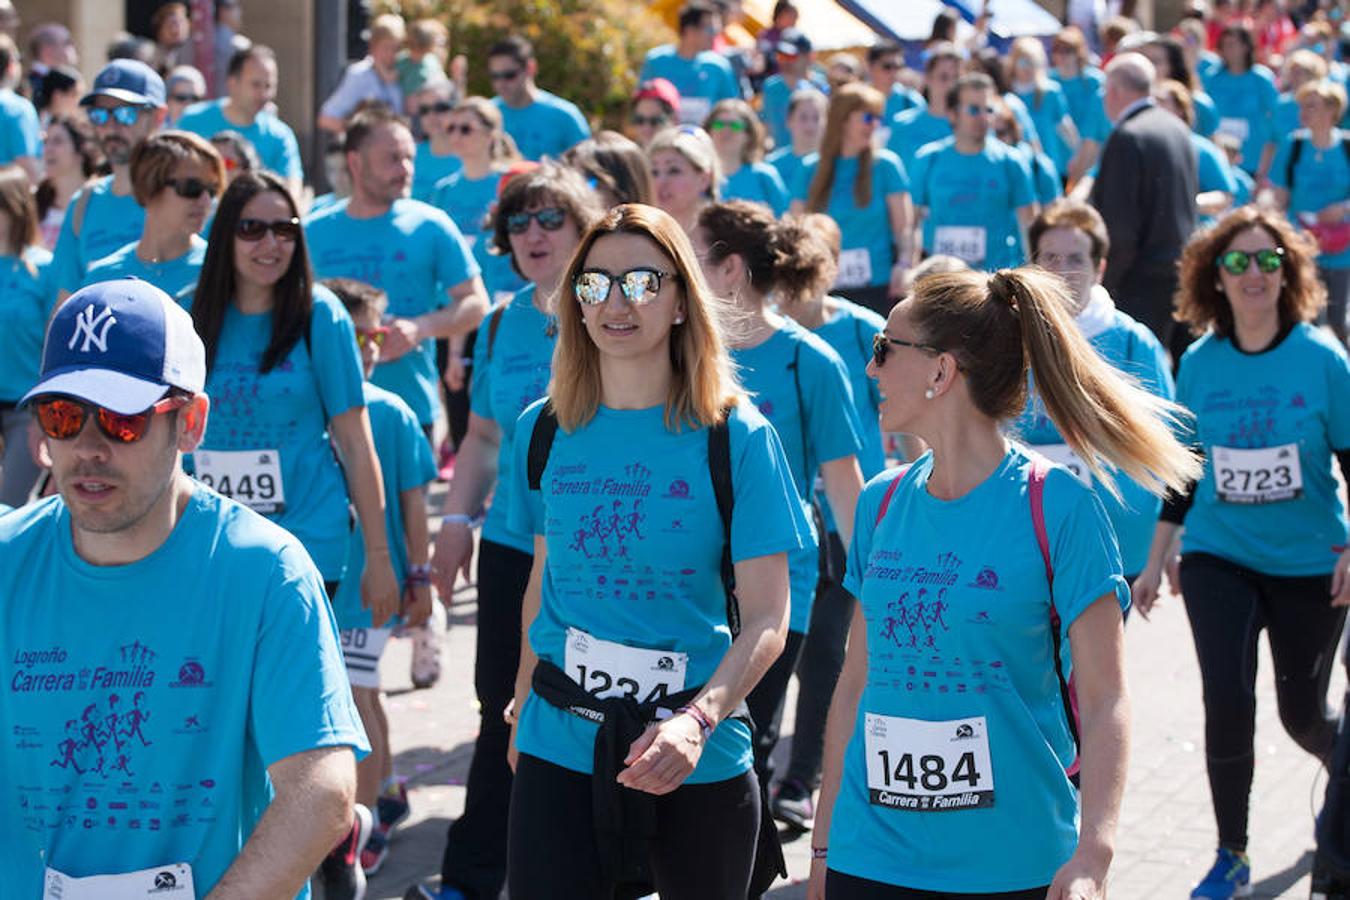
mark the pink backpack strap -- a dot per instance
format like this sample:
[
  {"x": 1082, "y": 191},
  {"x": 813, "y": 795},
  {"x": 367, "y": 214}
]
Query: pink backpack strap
[{"x": 890, "y": 492}]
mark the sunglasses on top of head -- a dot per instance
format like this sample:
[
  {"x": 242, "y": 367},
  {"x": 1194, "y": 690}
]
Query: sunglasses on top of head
[{"x": 62, "y": 418}]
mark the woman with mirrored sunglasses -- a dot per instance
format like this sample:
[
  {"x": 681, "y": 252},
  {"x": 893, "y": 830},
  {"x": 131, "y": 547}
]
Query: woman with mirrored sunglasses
[
  {"x": 626, "y": 596},
  {"x": 1263, "y": 545},
  {"x": 537, "y": 225},
  {"x": 176, "y": 176},
  {"x": 436, "y": 157},
  {"x": 285, "y": 378},
  {"x": 738, "y": 136}
]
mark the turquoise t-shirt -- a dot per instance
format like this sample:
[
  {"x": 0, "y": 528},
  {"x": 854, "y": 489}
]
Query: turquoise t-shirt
[
  {"x": 1083, "y": 94},
  {"x": 507, "y": 377},
  {"x": 1215, "y": 172},
  {"x": 111, "y": 221},
  {"x": 26, "y": 298},
  {"x": 176, "y": 277},
  {"x": 1206, "y": 115},
  {"x": 701, "y": 81},
  {"x": 20, "y": 131},
  {"x": 900, "y": 99},
  {"x": 972, "y": 202},
  {"x": 1246, "y": 106},
  {"x": 1321, "y": 178},
  {"x": 868, "y": 251},
  {"x": 788, "y": 164},
  {"x": 1289, "y": 398},
  {"x": 547, "y": 127},
  {"x": 957, "y": 606},
  {"x": 1246, "y": 187},
  {"x": 913, "y": 128},
  {"x": 1047, "y": 112},
  {"x": 405, "y": 464},
  {"x": 1044, "y": 176},
  {"x": 428, "y": 169},
  {"x": 1030, "y": 134},
  {"x": 774, "y": 109},
  {"x": 145, "y": 701},
  {"x": 287, "y": 411},
  {"x": 1132, "y": 349},
  {"x": 414, "y": 253},
  {"x": 1286, "y": 117},
  {"x": 466, "y": 201},
  {"x": 757, "y": 182},
  {"x": 819, "y": 427},
  {"x": 272, "y": 138},
  {"x": 627, "y": 510}
]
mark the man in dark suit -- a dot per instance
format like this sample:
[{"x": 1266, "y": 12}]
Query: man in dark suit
[{"x": 1145, "y": 190}]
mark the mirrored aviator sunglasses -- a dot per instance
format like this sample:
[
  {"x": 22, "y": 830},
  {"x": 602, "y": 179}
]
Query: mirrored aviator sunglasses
[
  {"x": 1236, "y": 262},
  {"x": 62, "y": 418},
  {"x": 638, "y": 286}
]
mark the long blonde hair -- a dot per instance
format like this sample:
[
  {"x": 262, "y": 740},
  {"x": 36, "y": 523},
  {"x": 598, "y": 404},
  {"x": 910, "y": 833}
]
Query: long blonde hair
[
  {"x": 704, "y": 382},
  {"x": 998, "y": 326},
  {"x": 843, "y": 103}
]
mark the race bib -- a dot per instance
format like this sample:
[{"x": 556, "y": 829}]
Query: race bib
[
  {"x": 1238, "y": 128},
  {"x": 694, "y": 110},
  {"x": 1267, "y": 475},
  {"x": 608, "y": 669},
  {"x": 855, "y": 268},
  {"x": 167, "y": 882},
  {"x": 251, "y": 477},
  {"x": 1063, "y": 455},
  {"x": 965, "y": 242},
  {"x": 928, "y": 766}
]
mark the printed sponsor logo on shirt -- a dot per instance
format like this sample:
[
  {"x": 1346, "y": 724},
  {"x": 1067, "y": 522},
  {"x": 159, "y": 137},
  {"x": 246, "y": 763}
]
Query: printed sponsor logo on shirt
[
  {"x": 191, "y": 674},
  {"x": 986, "y": 580}
]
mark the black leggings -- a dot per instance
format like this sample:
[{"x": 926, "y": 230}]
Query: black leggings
[
  {"x": 1228, "y": 606},
  {"x": 839, "y": 886},
  {"x": 765, "y": 703},
  {"x": 704, "y": 847}
]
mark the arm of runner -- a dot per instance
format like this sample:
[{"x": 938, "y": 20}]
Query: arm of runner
[
  {"x": 311, "y": 811},
  {"x": 356, "y": 447},
  {"x": 454, "y": 366},
  {"x": 417, "y": 606},
  {"x": 1144, "y": 591},
  {"x": 1083, "y": 161},
  {"x": 475, "y": 473},
  {"x": 838, "y": 729},
  {"x": 843, "y": 484},
  {"x": 1025, "y": 216},
  {"x": 528, "y": 611},
  {"x": 1096, "y": 639},
  {"x": 900, "y": 212},
  {"x": 665, "y": 754}
]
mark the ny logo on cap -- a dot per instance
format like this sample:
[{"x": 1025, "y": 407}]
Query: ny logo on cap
[{"x": 94, "y": 327}]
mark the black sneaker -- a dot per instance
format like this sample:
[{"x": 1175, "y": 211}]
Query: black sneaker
[
  {"x": 340, "y": 872},
  {"x": 792, "y": 805}
]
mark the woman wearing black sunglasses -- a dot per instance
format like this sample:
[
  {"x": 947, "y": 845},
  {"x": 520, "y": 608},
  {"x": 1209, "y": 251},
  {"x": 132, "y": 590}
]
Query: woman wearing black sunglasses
[
  {"x": 284, "y": 376},
  {"x": 436, "y": 156},
  {"x": 1265, "y": 532},
  {"x": 176, "y": 176}
]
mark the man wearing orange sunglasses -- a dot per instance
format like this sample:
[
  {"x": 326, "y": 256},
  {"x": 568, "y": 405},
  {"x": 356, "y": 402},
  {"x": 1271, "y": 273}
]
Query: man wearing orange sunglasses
[{"x": 168, "y": 644}]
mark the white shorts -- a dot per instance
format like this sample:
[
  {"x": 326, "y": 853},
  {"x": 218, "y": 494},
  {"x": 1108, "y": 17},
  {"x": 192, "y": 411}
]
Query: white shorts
[{"x": 361, "y": 651}]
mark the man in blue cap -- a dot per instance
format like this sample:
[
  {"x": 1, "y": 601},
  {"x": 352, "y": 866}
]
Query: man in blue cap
[
  {"x": 181, "y": 718},
  {"x": 125, "y": 106}
]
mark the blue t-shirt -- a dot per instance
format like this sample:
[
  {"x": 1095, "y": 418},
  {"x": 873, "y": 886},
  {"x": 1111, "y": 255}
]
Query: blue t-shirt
[
  {"x": 1206, "y": 114},
  {"x": 1030, "y": 134},
  {"x": 1214, "y": 171},
  {"x": 547, "y": 127},
  {"x": 428, "y": 169},
  {"x": 1246, "y": 106},
  {"x": 627, "y": 510},
  {"x": 26, "y": 298},
  {"x": 1083, "y": 94},
  {"x": 957, "y": 606},
  {"x": 1321, "y": 178},
  {"x": 913, "y": 128},
  {"x": 757, "y": 182},
  {"x": 1047, "y": 112},
  {"x": 819, "y": 427},
  {"x": 111, "y": 221},
  {"x": 701, "y": 81},
  {"x": 176, "y": 277},
  {"x": 868, "y": 251},
  {"x": 508, "y": 376},
  {"x": 1291, "y": 396},
  {"x": 20, "y": 132},
  {"x": 900, "y": 99},
  {"x": 414, "y": 253},
  {"x": 1131, "y": 348},
  {"x": 287, "y": 410},
  {"x": 468, "y": 202},
  {"x": 1286, "y": 117},
  {"x": 1044, "y": 175},
  {"x": 788, "y": 164},
  {"x": 405, "y": 465},
  {"x": 972, "y": 202},
  {"x": 274, "y": 140},
  {"x": 1246, "y": 186},
  {"x": 145, "y": 701},
  {"x": 773, "y": 111}
]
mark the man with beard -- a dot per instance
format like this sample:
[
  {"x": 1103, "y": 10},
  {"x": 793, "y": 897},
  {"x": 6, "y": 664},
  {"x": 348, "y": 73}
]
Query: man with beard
[{"x": 125, "y": 107}]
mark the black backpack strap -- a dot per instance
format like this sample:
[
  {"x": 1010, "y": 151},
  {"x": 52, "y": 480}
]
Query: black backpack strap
[
  {"x": 1294, "y": 153},
  {"x": 493, "y": 326},
  {"x": 808, "y": 489},
  {"x": 541, "y": 444},
  {"x": 719, "y": 468}
]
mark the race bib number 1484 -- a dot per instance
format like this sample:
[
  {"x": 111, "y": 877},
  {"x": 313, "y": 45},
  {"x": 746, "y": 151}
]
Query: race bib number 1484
[{"x": 928, "y": 766}]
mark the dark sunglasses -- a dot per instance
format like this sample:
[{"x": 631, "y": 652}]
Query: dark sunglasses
[
  {"x": 724, "y": 124},
  {"x": 374, "y": 336},
  {"x": 254, "y": 230},
  {"x": 191, "y": 188},
  {"x": 881, "y": 347},
  {"x": 551, "y": 218},
  {"x": 124, "y": 115},
  {"x": 442, "y": 106},
  {"x": 639, "y": 286},
  {"x": 462, "y": 128},
  {"x": 1235, "y": 262},
  {"x": 62, "y": 418},
  {"x": 891, "y": 66},
  {"x": 507, "y": 75},
  {"x": 975, "y": 110},
  {"x": 184, "y": 98},
  {"x": 653, "y": 121}
]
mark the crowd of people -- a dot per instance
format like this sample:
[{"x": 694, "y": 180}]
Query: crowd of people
[{"x": 907, "y": 374}]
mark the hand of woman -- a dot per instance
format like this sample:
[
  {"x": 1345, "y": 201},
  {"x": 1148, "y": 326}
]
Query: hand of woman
[
  {"x": 663, "y": 756},
  {"x": 1144, "y": 591},
  {"x": 416, "y": 605},
  {"x": 455, "y": 372},
  {"x": 379, "y": 589},
  {"x": 899, "y": 285},
  {"x": 1340, "y": 580},
  {"x": 403, "y": 336},
  {"x": 451, "y": 554},
  {"x": 1083, "y": 877},
  {"x": 815, "y": 885}
]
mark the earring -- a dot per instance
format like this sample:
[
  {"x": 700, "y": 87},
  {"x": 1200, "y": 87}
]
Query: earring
[
  {"x": 929, "y": 394},
  {"x": 1218, "y": 286},
  {"x": 679, "y": 320}
]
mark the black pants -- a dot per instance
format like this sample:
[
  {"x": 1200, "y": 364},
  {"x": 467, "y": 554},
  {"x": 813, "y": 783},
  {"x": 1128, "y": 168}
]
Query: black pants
[
  {"x": 1228, "y": 606},
  {"x": 704, "y": 847},
  {"x": 818, "y": 670},
  {"x": 475, "y": 846},
  {"x": 457, "y": 402},
  {"x": 839, "y": 886},
  {"x": 766, "y": 704},
  {"x": 877, "y": 298}
]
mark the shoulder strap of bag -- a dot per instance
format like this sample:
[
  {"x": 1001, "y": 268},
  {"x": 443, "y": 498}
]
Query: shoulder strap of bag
[{"x": 719, "y": 468}]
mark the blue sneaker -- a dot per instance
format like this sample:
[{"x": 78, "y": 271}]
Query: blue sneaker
[
  {"x": 427, "y": 892},
  {"x": 1230, "y": 877}
]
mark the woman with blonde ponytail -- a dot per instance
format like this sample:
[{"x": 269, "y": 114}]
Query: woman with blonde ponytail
[{"x": 987, "y": 578}]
